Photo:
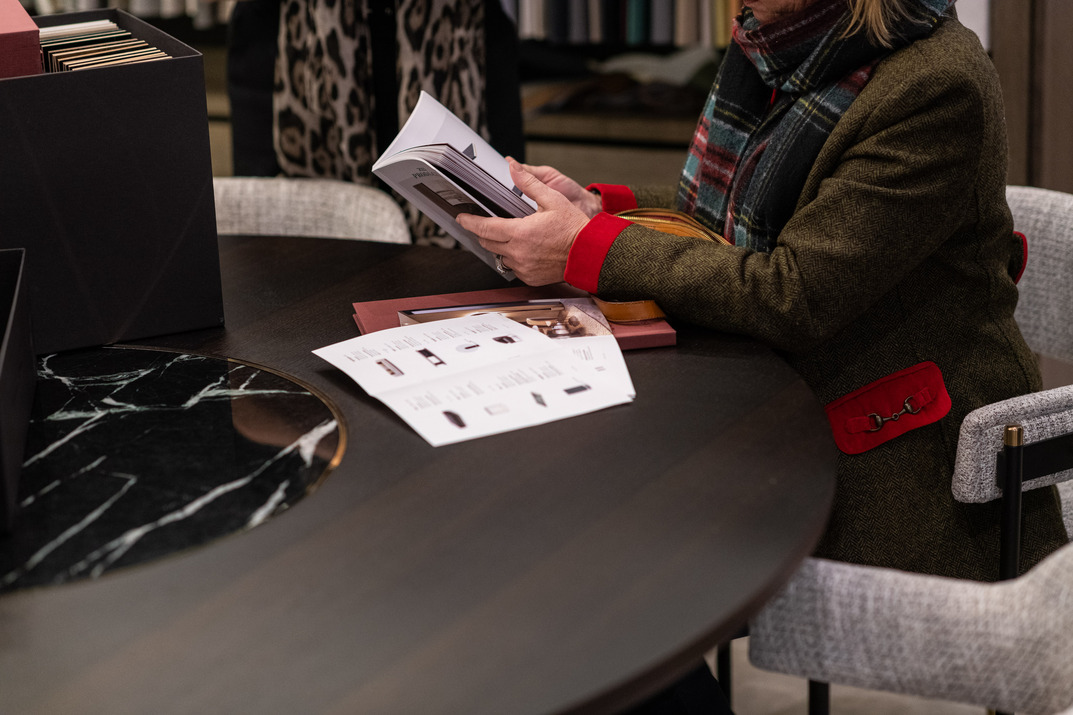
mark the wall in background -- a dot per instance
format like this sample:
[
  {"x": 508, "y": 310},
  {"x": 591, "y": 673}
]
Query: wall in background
[
  {"x": 1033, "y": 54},
  {"x": 976, "y": 15}
]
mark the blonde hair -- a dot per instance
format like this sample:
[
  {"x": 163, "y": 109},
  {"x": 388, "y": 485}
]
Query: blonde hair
[{"x": 879, "y": 18}]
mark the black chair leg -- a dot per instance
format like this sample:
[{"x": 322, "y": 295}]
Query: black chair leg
[
  {"x": 722, "y": 669},
  {"x": 1010, "y": 536},
  {"x": 819, "y": 698}
]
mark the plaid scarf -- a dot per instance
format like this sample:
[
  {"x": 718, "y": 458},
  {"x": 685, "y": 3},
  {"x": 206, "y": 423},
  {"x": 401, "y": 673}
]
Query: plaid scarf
[{"x": 780, "y": 91}]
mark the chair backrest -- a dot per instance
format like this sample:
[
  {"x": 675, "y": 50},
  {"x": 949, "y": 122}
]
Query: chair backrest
[
  {"x": 324, "y": 208},
  {"x": 1043, "y": 415},
  {"x": 1043, "y": 312},
  {"x": 1006, "y": 645}
]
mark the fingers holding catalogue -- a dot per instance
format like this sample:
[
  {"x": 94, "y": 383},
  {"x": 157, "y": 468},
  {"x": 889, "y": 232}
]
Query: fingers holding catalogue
[
  {"x": 574, "y": 192},
  {"x": 494, "y": 233},
  {"x": 544, "y": 196},
  {"x": 534, "y": 247}
]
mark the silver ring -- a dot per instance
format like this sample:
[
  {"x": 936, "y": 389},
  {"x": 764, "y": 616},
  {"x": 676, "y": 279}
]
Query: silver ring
[{"x": 499, "y": 264}]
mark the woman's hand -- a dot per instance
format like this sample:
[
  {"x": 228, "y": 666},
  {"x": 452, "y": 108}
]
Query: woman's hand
[
  {"x": 534, "y": 247},
  {"x": 551, "y": 177}
]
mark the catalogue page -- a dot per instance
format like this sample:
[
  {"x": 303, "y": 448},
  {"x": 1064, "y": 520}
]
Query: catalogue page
[
  {"x": 444, "y": 168},
  {"x": 462, "y": 378}
]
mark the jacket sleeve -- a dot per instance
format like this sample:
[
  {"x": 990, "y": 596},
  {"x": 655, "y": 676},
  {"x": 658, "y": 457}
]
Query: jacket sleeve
[
  {"x": 656, "y": 197},
  {"x": 894, "y": 182}
]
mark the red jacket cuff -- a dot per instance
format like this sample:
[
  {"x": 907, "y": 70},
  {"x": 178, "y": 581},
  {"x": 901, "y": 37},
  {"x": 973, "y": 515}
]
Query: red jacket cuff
[
  {"x": 615, "y": 197},
  {"x": 590, "y": 248}
]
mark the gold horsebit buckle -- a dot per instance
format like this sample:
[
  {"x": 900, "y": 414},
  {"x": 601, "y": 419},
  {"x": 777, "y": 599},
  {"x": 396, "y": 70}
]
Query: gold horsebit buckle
[{"x": 907, "y": 409}]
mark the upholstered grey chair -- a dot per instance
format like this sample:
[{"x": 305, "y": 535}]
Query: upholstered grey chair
[
  {"x": 832, "y": 615},
  {"x": 324, "y": 208},
  {"x": 1005, "y": 645},
  {"x": 1043, "y": 313}
]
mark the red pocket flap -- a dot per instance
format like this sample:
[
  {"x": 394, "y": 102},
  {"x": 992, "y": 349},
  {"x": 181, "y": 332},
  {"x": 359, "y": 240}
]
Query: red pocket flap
[
  {"x": 1024, "y": 255},
  {"x": 888, "y": 407}
]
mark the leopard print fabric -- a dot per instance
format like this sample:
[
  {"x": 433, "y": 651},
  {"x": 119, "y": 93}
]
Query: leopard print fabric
[{"x": 323, "y": 97}]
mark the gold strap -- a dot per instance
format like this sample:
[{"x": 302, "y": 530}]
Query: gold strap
[
  {"x": 629, "y": 311},
  {"x": 672, "y": 222}
]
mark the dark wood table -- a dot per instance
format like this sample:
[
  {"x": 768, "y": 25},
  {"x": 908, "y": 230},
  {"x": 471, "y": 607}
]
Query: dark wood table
[{"x": 580, "y": 565}]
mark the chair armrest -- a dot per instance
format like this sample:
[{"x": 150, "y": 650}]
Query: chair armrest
[{"x": 1043, "y": 415}]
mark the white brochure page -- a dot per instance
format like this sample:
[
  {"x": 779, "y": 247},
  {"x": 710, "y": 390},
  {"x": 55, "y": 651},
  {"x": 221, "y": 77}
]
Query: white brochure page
[
  {"x": 458, "y": 379},
  {"x": 432, "y": 123},
  {"x": 603, "y": 355}
]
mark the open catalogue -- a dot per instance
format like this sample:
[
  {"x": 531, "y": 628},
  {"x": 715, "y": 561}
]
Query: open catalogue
[
  {"x": 481, "y": 374},
  {"x": 444, "y": 168}
]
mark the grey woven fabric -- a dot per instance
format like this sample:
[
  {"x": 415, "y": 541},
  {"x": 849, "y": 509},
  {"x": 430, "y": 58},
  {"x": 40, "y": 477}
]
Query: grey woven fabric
[
  {"x": 325, "y": 208},
  {"x": 1043, "y": 314},
  {"x": 1007, "y": 646},
  {"x": 1043, "y": 415},
  {"x": 1065, "y": 490},
  {"x": 1046, "y": 288}
]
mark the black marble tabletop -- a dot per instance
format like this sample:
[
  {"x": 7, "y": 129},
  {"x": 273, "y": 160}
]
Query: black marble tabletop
[{"x": 135, "y": 454}]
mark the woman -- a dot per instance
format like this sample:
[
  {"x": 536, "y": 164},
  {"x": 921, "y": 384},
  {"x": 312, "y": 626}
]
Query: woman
[{"x": 854, "y": 153}]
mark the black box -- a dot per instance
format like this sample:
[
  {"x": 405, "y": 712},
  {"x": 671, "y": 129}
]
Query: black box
[
  {"x": 107, "y": 184},
  {"x": 17, "y": 378}
]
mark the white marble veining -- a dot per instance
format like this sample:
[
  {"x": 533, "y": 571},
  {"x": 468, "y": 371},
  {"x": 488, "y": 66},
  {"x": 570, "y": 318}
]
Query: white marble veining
[{"x": 133, "y": 454}]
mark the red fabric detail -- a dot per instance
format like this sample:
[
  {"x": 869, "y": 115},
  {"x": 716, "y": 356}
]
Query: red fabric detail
[
  {"x": 872, "y": 423},
  {"x": 590, "y": 248},
  {"x": 615, "y": 197},
  {"x": 864, "y": 418},
  {"x": 1024, "y": 255}
]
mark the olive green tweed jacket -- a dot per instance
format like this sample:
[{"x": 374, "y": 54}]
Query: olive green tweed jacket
[{"x": 900, "y": 250}]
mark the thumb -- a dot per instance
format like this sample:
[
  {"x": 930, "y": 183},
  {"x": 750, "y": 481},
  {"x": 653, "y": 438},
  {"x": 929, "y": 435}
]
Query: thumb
[{"x": 531, "y": 186}]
